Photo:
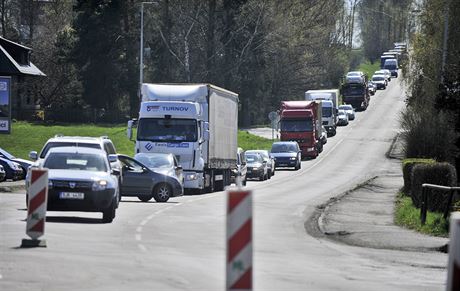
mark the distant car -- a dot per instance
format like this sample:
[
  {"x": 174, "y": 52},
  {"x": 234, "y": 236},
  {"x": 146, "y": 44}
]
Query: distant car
[
  {"x": 348, "y": 110},
  {"x": 371, "y": 87},
  {"x": 241, "y": 168},
  {"x": 25, "y": 164},
  {"x": 355, "y": 79},
  {"x": 257, "y": 167},
  {"x": 286, "y": 154},
  {"x": 323, "y": 137},
  {"x": 163, "y": 163},
  {"x": 385, "y": 73},
  {"x": 142, "y": 182},
  {"x": 379, "y": 81},
  {"x": 2, "y": 174},
  {"x": 270, "y": 161},
  {"x": 342, "y": 118},
  {"x": 80, "y": 179},
  {"x": 355, "y": 73},
  {"x": 12, "y": 169}
]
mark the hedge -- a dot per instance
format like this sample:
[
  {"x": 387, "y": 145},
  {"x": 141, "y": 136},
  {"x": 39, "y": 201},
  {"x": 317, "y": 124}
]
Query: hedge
[
  {"x": 407, "y": 166},
  {"x": 435, "y": 173}
]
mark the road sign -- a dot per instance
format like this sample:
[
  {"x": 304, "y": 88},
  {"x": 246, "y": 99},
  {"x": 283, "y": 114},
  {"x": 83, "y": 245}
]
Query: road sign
[
  {"x": 239, "y": 240},
  {"x": 36, "y": 207},
  {"x": 453, "y": 268}
]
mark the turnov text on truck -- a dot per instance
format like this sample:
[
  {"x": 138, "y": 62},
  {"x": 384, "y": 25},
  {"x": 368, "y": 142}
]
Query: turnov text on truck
[
  {"x": 301, "y": 121},
  {"x": 330, "y": 103},
  {"x": 356, "y": 94},
  {"x": 196, "y": 122}
]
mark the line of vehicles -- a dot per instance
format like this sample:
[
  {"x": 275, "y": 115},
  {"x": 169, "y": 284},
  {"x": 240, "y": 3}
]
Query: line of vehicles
[{"x": 186, "y": 140}]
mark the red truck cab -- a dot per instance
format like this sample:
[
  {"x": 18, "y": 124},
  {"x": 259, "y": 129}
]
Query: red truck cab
[{"x": 301, "y": 121}]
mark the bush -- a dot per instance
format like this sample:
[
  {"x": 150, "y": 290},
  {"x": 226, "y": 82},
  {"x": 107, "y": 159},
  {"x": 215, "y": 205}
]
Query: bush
[
  {"x": 436, "y": 173},
  {"x": 407, "y": 166}
]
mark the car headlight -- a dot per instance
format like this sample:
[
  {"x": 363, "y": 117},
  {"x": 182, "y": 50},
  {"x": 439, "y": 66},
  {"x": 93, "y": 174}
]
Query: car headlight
[
  {"x": 50, "y": 184},
  {"x": 99, "y": 185},
  {"x": 191, "y": 177},
  {"x": 293, "y": 158}
]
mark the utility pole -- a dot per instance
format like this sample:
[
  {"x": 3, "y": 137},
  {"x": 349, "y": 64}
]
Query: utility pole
[{"x": 445, "y": 37}]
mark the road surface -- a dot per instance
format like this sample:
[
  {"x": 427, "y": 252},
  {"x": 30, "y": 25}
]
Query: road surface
[{"x": 180, "y": 245}]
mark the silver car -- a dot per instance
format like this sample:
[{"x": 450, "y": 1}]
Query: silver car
[
  {"x": 342, "y": 118},
  {"x": 162, "y": 163},
  {"x": 349, "y": 110},
  {"x": 267, "y": 158}
]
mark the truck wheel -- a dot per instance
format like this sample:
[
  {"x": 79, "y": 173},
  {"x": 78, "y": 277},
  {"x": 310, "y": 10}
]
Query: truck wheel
[{"x": 162, "y": 192}]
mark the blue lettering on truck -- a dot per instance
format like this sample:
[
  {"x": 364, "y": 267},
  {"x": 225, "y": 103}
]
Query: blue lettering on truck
[
  {"x": 167, "y": 108},
  {"x": 178, "y": 145}
]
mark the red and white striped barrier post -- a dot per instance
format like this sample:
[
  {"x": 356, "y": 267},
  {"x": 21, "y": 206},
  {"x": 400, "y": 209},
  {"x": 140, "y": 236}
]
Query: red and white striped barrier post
[
  {"x": 36, "y": 207},
  {"x": 239, "y": 240},
  {"x": 453, "y": 268}
]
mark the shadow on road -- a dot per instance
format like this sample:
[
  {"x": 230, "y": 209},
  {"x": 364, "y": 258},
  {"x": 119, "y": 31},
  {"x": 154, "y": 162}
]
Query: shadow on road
[{"x": 73, "y": 219}]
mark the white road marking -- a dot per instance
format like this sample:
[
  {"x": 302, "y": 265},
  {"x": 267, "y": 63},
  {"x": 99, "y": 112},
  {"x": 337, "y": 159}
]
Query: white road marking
[
  {"x": 142, "y": 247},
  {"x": 1, "y": 277},
  {"x": 138, "y": 237}
]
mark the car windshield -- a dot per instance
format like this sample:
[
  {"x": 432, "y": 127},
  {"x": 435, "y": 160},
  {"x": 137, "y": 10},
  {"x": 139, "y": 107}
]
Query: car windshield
[
  {"x": 75, "y": 161},
  {"x": 155, "y": 161},
  {"x": 264, "y": 154},
  {"x": 353, "y": 89},
  {"x": 51, "y": 145},
  {"x": 283, "y": 148},
  {"x": 345, "y": 107},
  {"x": 327, "y": 111},
  {"x": 6, "y": 154},
  {"x": 378, "y": 78},
  {"x": 253, "y": 158},
  {"x": 296, "y": 125},
  {"x": 159, "y": 129}
]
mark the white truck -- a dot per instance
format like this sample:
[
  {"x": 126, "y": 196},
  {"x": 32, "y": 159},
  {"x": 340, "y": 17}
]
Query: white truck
[
  {"x": 196, "y": 122},
  {"x": 330, "y": 105}
]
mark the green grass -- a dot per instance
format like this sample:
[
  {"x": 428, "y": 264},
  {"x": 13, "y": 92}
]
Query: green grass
[
  {"x": 408, "y": 216},
  {"x": 369, "y": 68},
  {"x": 26, "y": 137},
  {"x": 249, "y": 141}
]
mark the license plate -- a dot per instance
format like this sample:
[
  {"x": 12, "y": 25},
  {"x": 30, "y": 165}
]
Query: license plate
[
  {"x": 72, "y": 195},
  {"x": 282, "y": 165}
]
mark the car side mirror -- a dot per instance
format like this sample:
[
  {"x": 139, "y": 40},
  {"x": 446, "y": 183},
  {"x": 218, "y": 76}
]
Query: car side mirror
[
  {"x": 116, "y": 172},
  {"x": 112, "y": 158},
  {"x": 33, "y": 155},
  {"x": 179, "y": 167}
]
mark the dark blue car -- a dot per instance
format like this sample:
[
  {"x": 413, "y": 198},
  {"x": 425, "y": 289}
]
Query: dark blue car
[
  {"x": 12, "y": 169},
  {"x": 286, "y": 154}
]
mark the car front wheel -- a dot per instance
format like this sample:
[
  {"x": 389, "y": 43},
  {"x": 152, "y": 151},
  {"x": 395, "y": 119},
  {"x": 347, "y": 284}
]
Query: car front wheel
[
  {"x": 162, "y": 192},
  {"x": 109, "y": 214}
]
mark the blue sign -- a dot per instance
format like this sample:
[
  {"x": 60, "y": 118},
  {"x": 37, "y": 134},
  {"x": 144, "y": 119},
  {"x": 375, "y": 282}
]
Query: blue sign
[{"x": 5, "y": 104}]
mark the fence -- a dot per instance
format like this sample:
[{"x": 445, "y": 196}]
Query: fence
[{"x": 424, "y": 206}]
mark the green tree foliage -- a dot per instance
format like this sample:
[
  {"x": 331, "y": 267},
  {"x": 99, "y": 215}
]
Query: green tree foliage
[
  {"x": 382, "y": 24},
  {"x": 432, "y": 120}
]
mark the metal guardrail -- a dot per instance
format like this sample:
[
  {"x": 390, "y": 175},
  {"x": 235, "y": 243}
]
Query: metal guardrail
[{"x": 424, "y": 206}]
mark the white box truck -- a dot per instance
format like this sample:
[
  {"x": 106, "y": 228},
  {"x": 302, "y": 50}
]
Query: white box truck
[
  {"x": 196, "y": 122},
  {"x": 330, "y": 105}
]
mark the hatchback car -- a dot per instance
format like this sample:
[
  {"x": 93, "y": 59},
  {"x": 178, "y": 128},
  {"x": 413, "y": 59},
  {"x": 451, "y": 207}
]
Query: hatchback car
[
  {"x": 142, "y": 182},
  {"x": 257, "y": 167},
  {"x": 342, "y": 117},
  {"x": 323, "y": 137},
  {"x": 12, "y": 169},
  {"x": 162, "y": 163},
  {"x": 371, "y": 87},
  {"x": 80, "y": 179},
  {"x": 379, "y": 81},
  {"x": 25, "y": 164},
  {"x": 270, "y": 161},
  {"x": 348, "y": 110},
  {"x": 286, "y": 154},
  {"x": 385, "y": 73}
]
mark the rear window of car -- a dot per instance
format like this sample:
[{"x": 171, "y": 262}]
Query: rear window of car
[{"x": 51, "y": 145}]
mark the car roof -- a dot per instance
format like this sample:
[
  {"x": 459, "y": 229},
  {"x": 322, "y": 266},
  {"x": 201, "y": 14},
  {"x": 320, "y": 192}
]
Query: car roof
[
  {"x": 85, "y": 139},
  {"x": 285, "y": 142},
  {"x": 81, "y": 150},
  {"x": 256, "y": 151}
]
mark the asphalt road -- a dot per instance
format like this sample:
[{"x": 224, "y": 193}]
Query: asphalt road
[{"x": 180, "y": 245}]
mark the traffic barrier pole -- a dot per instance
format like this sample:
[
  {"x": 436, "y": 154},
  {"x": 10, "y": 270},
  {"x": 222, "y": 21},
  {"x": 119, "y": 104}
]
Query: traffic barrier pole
[
  {"x": 453, "y": 268},
  {"x": 36, "y": 208},
  {"x": 239, "y": 240}
]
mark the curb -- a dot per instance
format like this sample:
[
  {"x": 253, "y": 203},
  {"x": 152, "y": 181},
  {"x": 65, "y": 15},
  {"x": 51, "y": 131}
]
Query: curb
[{"x": 15, "y": 186}]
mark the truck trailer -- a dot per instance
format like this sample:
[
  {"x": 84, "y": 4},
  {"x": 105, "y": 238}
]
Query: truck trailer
[
  {"x": 355, "y": 94},
  {"x": 301, "y": 121},
  {"x": 196, "y": 122},
  {"x": 330, "y": 103}
]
